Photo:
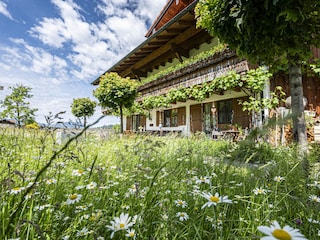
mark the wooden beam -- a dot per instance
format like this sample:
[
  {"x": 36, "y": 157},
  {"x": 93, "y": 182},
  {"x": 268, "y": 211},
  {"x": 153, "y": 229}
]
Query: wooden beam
[
  {"x": 142, "y": 53},
  {"x": 139, "y": 73},
  {"x": 180, "y": 52},
  {"x": 175, "y": 30},
  {"x": 167, "y": 38},
  {"x": 186, "y": 22},
  {"x": 163, "y": 48},
  {"x": 155, "y": 43}
]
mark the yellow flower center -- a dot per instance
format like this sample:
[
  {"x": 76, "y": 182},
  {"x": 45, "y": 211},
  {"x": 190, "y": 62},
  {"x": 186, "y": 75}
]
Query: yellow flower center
[
  {"x": 281, "y": 234},
  {"x": 16, "y": 189},
  {"x": 214, "y": 199},
  {"x": 122, "y": 225},
  {"x": 73, "y": 196},
  {"x": 131, "y": 234}
]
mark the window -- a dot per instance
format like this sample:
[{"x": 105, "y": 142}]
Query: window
[
  {"x": 225, "y": 112},
  {"x": 208, "y": 118},
  {"x": 138, "y": 121},
  {"x": 167, "y": 118},
  {"x": 173, "y": 117}
]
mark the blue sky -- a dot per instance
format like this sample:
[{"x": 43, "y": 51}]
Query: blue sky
[{"x": 58, "y": 47}]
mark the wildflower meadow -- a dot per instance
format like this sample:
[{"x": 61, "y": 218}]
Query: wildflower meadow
[{"x": 150, "y": 187}]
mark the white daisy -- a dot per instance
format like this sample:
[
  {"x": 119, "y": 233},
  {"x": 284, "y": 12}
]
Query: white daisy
[
  {"x": 91, "y": 185},
  {"x": 133, "y": 189},
  {"x": 131, "y": 233},
  {"x": 314, "y": 198},
  {"x": 16, "y": 190},
  {"x": 183, "y": 216},
  {"x": 120, "y": 223},
  {"x": 78, "y": 172},
  {"x": 181, "y": 203},
  {"x": 214, "y": 199},
  {"x": 278, "y": 179},
  {"x": 74, "y": 198},
  {"x": 83, "y": 232},
  {"x": 258, "y": 191},
  {"x": 313, "y": 221},
  {"x": 51, "y": 181},
  {"x": 202, "y": 179},
  {"x": 275, "y": 232}
]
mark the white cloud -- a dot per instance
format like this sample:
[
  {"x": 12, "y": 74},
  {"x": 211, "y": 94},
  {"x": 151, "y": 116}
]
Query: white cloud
[
  {"x": 150, "y": 9},
  {"x": 28, "y": 58},
  {"x": 4, "y": 10},
  {"x": 76, "y": 51},
  {"x": 51, "y": 31},
  {"x": 129, "y": 30}
]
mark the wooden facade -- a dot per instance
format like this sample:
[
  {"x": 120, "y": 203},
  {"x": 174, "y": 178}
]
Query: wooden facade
[{"x": 173, "y": 38}]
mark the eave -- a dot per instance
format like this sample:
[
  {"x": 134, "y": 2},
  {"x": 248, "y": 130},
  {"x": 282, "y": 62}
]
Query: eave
[{"x": 174, "y": 40}]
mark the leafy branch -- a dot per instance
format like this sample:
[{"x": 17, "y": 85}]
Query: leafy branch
[{"x": 252, "y": 83}]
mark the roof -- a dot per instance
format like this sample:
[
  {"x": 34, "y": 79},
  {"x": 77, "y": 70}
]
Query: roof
[
  {"x": 7, "y": 121},
  {"x": 170, "y": 10},
  {"x": 173, "y": 40}
]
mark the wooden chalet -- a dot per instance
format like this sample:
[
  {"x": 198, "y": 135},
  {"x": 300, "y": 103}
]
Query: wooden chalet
[{"x": 172, "y": 39}]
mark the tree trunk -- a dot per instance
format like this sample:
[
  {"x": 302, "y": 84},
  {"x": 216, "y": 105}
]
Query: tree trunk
[
  {"x": 121, "y": 120},
  {"x": 299, "y": 126}
]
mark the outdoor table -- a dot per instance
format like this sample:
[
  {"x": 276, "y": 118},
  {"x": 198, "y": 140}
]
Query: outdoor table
[{"x": 230, "y": 134}]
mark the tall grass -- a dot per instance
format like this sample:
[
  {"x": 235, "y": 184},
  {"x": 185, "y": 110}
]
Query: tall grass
[{"x": 158, "y": 181}]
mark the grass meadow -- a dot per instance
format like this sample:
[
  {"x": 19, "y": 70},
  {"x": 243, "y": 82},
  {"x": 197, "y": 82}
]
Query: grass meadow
[{"x": 149, "y": 187}]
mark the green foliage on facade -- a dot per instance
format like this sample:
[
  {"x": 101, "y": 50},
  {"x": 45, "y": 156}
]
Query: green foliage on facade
[
  {"x": 252, "y": 83},
  {"x": 268, "y": 32},
  {"x": 189, "y": 61}
]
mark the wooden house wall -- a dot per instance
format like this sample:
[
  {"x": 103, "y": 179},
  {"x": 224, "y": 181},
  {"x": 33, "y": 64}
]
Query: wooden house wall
[
  {"x": 181, "y": 116},
  {"x": 311, "y": 88},
  {"x": 240, "y": 117},
  {"x": 196, "y": 118},
  {"x": 129, "y": 123}
]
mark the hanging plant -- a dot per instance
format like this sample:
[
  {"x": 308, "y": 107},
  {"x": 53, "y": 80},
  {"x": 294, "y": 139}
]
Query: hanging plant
[
  {"x": 252, "y": 82},
  {"x": 198, "y": 93},
  {"x": 151, "y": 102},
  {"x": 187, "y": 62},
  {"x": 175, "y": 95},
  {"x": 255, "y": 79}
]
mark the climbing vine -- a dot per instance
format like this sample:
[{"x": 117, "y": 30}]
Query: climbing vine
[
  {"x": 194, "y": 59},
  {"x": 252, "y": 83},
  {"x": 315, "y": 66}
]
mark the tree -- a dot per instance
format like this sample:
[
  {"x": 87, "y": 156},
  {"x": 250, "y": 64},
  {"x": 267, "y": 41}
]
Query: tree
[
  {"x": 17, "y": 107},
  {"x": 265, "y": 32},
  {"x": 83, "y": 108},
  {"x": 116, "y": 93}
]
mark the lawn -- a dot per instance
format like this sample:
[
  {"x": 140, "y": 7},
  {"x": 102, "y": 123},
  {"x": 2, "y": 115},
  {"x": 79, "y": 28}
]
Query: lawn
[{"x": 149, "y": 187}]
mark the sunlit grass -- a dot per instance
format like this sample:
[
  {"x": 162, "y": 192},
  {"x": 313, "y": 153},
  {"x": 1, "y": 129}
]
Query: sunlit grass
[{"x": 148, "y": 187}]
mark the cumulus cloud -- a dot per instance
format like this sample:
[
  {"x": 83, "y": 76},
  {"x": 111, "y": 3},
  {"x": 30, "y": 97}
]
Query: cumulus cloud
[
  {"x": 28, "y": 58},
  {"x": 96, "y": 46},
  {"x": 4, "y": 10},
  {"x": 74, "y": 49}
]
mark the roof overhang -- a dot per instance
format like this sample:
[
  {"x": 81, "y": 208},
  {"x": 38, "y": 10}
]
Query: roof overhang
[{"x": 174, "y": 40}]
